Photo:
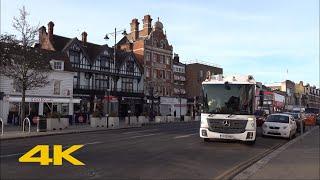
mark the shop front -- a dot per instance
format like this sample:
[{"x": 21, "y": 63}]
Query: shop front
[
  {"x": 35, "y": 106},
  {"x": 130, "y": 106},
  {"x": 173, "y": 106}
]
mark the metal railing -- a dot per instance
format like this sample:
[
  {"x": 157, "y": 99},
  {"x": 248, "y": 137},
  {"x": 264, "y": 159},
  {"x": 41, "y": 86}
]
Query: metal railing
[
  {"x": 1, "y": 126},
  {"x": 29, "y": 123},
  {"x": 85, "y": 87}
]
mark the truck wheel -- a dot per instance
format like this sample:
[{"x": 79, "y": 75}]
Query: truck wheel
[
  {"x": 206, "y": 139},
  {"x": 290, "y": 136},
  {"x": 251, "y": 142}
]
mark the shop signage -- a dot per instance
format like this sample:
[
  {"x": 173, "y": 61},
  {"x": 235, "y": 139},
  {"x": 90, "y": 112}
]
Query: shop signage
[{"x": 39, "y": 99}]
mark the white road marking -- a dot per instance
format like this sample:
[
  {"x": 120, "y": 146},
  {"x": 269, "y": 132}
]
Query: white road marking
[
  {"x": 91, "y": 143},
  {"x": 9, "y": 155},
  {"x": 184, "y": 136},
  {"x": 134, "y": 137},
  {"x": 17, "y": 154},
  {"x": 140, "y": 131}
]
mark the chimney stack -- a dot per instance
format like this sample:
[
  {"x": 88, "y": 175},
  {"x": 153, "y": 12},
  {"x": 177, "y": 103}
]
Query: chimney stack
[
  {"x": 50, "y": 30},
  {"x": 84, "y": 37},
  {"x": 176, "y": 58},
  {"x": 42, "y": 31},
  {"x": 134, "y": 29},
  {"x": 147, "y": 23}
]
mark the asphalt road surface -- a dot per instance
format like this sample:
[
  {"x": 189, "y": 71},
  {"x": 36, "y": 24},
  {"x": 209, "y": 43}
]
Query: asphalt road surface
[{"x": 164, "y": 151}]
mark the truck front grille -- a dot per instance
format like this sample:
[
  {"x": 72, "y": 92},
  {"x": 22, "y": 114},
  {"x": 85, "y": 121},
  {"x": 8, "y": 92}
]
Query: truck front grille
[{"x": 227, "y": 126}]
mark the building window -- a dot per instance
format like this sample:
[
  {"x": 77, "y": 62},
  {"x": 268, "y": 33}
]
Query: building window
[
  {"x": 74, "y": 57},
  {"x": 148, "y": 56},
  {"x": 147, "y": 72},
  {"x": 155, "y": 56},
  {"x": 104, "y": 62},
  {"x": 162, "y": 59},
  {"x": 155, "y": 73},
  {"x": 130, "y": 67},
  {"x": 168, "y": 60},
  {"x": 127, "y": 84},
  {"x": 168, "y": 76},
  {"x": 101, "y": 82},
  {"x": 57, "y": 65},
  {"x": 56, "y": 87},
  {"x": 201, "y": 73},
  {"x": 161, "y": 73}
]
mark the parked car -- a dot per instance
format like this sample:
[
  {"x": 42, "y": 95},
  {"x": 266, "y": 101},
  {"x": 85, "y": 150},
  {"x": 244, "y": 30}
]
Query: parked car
[
  {"x": 281, "y": 125},
  {"x": 298, "y": 118},
  {"x": 260, "y": 117}
]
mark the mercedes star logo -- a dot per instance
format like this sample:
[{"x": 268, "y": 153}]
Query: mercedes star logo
[{"x": 226, "y": 123}]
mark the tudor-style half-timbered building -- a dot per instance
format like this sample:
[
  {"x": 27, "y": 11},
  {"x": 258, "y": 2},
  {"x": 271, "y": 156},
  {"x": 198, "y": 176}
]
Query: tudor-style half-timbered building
[{"x": 104, "y": 83}]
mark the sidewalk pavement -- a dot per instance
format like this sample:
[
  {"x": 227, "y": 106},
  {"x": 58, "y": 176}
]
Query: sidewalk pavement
[
  {"x": 299, "y": 159},
  {"x": 15, "y": 132}
]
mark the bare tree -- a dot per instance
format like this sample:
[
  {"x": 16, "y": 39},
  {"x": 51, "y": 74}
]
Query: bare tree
[{"x": 27, "y": 66}]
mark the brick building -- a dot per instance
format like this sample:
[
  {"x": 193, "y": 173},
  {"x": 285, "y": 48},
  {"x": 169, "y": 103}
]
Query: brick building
[
  {"x": 151, "y": 47},
  {"x": 312, "y": 98},
  {"x": 153, "y": 51},
  {"x": 288, "y": 87},
  {"x": 195, "y": 75}
]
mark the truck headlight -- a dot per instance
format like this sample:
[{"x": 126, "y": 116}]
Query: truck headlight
[{"x": 252, "y": 122}]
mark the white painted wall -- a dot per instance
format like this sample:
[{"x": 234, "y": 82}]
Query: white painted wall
[{"x": 66, "y": 83}]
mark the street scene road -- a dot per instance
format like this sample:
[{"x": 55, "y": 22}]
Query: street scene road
[{"x": 161, "y": 151}]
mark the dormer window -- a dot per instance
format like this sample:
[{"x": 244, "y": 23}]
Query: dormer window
[{"x": 57, "y": 65}]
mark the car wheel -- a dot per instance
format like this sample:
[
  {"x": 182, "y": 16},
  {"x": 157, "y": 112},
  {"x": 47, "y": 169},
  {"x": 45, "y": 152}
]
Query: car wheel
[{"x": 206, "y": 139}]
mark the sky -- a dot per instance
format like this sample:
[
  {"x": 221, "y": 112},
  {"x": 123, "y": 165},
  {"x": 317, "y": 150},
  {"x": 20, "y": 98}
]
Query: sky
[{"x": 272, "y": 40}]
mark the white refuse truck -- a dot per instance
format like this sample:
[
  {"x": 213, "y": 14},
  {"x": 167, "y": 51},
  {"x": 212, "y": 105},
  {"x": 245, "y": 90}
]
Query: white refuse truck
[{"x": 228, "y": 108}]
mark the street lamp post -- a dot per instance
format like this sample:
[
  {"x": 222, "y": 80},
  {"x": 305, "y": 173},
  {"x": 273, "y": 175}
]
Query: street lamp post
[
  {"x": 123, "y": 32},
  {"x": 180, "y": 104},
  {"x": 129, "y": 112},
  {"x": 301, "y": 123},
  {"x": 108, "y": 105},
  {"x": 151, "y": 98}
]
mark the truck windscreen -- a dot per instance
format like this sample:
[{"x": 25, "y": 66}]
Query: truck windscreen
[{"x": 228, "y": 98}]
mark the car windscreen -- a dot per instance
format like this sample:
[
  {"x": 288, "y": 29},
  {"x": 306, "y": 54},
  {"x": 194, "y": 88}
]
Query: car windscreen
[
  {"x": 295, "y": 115},
  {"x": 278, "y": 118}
]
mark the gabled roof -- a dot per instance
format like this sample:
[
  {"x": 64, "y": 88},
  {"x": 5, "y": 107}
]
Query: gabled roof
[
  {"x": 122, "y": 57},
  {"x": 91, "y": 50},
  {"x": 59, "y": 42}
]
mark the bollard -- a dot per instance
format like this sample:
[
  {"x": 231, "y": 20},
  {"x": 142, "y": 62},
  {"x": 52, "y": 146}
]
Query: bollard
[
  {"x": 23, "y": 122},
  {"x": 1, "y": 126}
]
